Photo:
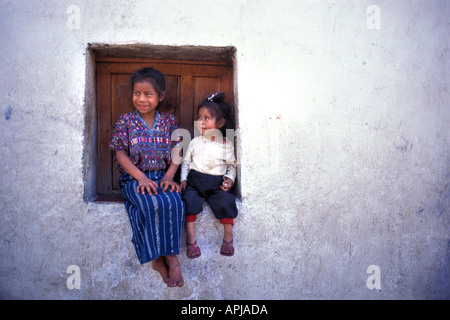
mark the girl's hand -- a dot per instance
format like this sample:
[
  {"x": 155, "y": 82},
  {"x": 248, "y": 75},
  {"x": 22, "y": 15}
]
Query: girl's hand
[
  {"x": 226, "y": 185},
  {"x": 183, "y": 185},
  {"x": 146, "y": 184},
  {"x": 166, "y": 183}
]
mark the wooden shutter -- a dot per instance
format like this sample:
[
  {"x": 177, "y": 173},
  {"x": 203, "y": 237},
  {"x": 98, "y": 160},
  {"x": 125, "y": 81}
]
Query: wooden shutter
[{"x": 188, "y": 83}]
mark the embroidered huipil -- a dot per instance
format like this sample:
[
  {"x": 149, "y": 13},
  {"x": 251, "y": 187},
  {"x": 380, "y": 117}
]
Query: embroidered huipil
[{"x": 149, "y": 149}]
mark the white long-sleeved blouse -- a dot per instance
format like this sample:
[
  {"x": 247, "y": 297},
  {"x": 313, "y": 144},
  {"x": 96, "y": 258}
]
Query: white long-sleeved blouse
[{"x": 210, "y": 157}]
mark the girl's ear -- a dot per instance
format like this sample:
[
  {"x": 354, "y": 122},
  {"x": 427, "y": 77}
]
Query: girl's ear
[
  {"x": 162, "y": 96},
  {"x": 221, "y": 123}
]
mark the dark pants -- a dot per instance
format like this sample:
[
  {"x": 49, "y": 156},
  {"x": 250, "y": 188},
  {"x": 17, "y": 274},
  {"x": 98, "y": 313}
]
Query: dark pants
[{"x": 201, "y": 187}]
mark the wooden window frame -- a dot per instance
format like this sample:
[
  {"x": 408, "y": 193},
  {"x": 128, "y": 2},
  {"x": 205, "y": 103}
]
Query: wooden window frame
[{"x": 187, "y": 72}]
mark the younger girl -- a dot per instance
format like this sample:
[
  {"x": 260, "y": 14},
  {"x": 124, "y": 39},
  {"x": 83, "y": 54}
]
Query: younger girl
[{"x": 208, "y": 172}]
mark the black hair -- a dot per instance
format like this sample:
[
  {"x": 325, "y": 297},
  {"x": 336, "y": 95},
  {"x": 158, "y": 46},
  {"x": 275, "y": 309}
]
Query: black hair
[
  {"x": 219, "y": 109},
  {"x": 155, "y": 77}
]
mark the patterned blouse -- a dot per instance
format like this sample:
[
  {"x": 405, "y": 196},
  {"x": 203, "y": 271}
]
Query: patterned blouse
[{"x": 148, "y": 148}]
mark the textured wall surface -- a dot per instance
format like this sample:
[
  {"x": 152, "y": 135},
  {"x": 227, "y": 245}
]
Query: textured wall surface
[{"x": 344, "y": 157}]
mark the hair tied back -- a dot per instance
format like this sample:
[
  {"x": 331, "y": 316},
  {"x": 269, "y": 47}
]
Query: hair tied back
[{"x": 216, "y": 96}]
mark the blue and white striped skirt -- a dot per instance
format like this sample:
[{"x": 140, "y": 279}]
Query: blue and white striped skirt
[{"x": 156, "y": 220}]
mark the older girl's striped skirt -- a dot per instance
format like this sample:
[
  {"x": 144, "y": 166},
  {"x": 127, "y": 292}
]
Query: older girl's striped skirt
[{"x": 156, "y": 220}]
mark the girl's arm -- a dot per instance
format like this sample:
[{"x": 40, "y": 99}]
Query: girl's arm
[
  {"x": 230, "y": 161},
  {"x": 183, "y": 176},
  {"x": 167, "y": 181},
  {"x": 229, "y": 176},
  {"x": 185, "y": 166},
  {"x": 144, "y": 183},
  {"x": 227, "y": 184}
]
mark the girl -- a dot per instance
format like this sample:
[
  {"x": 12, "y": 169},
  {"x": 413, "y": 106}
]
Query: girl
[
  {"x": 208, "y": 172},
  {"x": 142, "y": 144}
]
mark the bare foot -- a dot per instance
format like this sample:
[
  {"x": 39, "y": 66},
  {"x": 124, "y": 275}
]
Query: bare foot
[
  {"x": 161, "y": 266},
  {"x": 175, "y": 276}
]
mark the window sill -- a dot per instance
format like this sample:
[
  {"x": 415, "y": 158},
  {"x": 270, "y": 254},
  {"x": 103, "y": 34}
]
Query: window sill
[{"x": 109, "y": 198}]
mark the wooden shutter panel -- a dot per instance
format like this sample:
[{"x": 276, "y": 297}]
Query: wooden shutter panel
[{"x": 188, "y": 83}]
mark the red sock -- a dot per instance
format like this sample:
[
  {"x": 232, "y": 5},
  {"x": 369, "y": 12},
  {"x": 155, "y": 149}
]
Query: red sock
[
  {"x": 227, "y": 221},
  {"x": 191, "y": 217}
]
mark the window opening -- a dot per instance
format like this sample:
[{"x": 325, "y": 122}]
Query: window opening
[{"x": 203, "y": 70}]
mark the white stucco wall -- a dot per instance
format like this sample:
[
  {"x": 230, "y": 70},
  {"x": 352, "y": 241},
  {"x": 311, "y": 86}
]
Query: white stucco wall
[{"x": 344, "y": 151}]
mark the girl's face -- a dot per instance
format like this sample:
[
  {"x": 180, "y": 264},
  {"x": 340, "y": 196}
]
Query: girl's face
[
  {"x": 206, "y": 121},
  {"x": 146, "y": 98}
]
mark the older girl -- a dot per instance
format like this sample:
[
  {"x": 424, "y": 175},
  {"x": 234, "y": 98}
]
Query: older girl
[{"x": 142, "y": 144}]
